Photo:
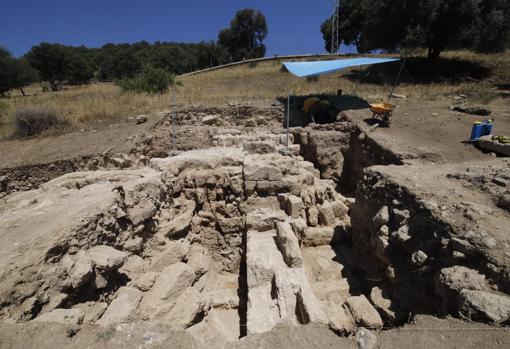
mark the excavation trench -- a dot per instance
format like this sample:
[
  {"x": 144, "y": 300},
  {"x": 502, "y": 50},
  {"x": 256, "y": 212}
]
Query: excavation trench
[{"x": 232, "y": 241}]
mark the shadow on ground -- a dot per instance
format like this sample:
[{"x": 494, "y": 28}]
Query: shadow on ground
[
  {"x": 340, "y": 102},
  {"x": 420, "y": 70}
]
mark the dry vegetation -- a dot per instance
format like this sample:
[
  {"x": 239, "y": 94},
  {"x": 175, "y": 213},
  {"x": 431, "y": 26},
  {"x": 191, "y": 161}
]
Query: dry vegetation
[{"x": 102, "y": 103}]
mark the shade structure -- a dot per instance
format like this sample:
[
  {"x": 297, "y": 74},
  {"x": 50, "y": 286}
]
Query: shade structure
[{"x": 302, "y": 69}]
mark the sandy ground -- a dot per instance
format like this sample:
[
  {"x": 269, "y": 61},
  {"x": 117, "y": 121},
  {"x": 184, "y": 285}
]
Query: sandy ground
[{"x": 432, "y": 131}]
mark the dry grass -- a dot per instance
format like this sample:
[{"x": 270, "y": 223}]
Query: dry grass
[{"x": 102, "y": 103}]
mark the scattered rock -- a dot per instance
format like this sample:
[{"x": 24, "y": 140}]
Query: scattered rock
[
  {"x": 366, "y": 339},
  {"x": 382, "y": 303},
  {"x": 187, "y": 309},
  {"x": 63, "y": 316},
  {"x": 363, "y": 312},
  {"x": 418, "y": 258},
  {"x": 141, "y": 212},
  {"x": 140, "y": 119},
  {"x": 134, "y": 245},
  {"x": 484, "y": 306},
  {"x": 79, "y": 268},
  {"x": 122, "y": 308},
  {"x": 174, "y": 252},
  {"x": 501, "y": 182},
  {"x": 178, "y": 225},
  {"x": 92, "y": 310},
  {"x": 473, "y": 110},
  {"x": 463, "y": 246},
  {"x": 171, "y": 283},
  {"x": 210, "y": 120},
  {"x": 382, "y": 217},
  {"x": 106, "y": 258},
  {"x": 144, "y": 281},
  {"x": 198, "y": 259}
]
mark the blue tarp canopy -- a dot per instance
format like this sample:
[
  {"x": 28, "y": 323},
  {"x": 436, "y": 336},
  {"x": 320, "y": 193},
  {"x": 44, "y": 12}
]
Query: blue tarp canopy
[{"x": 303, "y": 69}]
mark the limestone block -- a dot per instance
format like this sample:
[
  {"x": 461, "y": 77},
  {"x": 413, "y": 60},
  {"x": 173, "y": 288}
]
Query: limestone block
[
  {"x": 363, "y": 312},
  {"x": 312, "y": 216},
  {"x": 79, "y": 268},
  {"x": 382, "y": 217},
  {"x": 106, "y": 258},
  {"x": 122, "y": 308},
  {"x": 134, "y": 245},
  {"x": 288, "y": 244},
  {"x": 187, "y": 307},
  {"x": 261, "y": 171},
  {"x": 177, "y": 226},
  {"x": 62, "y": 316},
  {"x": 171, "y": 283},
  {"x": 484, "y": 306},
  {"x": 174, "y": 252},
  {"x": 326, "y": 214},
  {"x": 339, "y": 208},
  {"x": 293, "y": 206}
]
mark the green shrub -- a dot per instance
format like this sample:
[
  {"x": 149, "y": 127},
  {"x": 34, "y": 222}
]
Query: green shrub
[
  {"x": 151, "y": 80},
  {"x": 253, "y": 64},
  {"x": 34, "y": 120}
]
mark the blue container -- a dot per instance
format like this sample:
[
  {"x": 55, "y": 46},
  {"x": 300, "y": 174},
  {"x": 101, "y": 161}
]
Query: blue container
[
  {"x": 477, "y": 131},
  {"x": 487, "y": 127}
]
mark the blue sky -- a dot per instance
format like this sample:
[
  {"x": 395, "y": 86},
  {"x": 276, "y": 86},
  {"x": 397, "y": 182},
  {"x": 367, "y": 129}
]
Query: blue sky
[{"x": 294, "y": 26}]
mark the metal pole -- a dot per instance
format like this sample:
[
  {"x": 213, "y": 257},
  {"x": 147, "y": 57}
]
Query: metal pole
[
  {"x": 396, "y": 80},
  {"x": 288, "y": 123},
  {"x": 173, "y": 118}
]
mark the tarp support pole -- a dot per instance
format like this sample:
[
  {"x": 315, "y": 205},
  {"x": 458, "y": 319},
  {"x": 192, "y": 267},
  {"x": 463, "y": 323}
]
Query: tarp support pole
[
  {"x": 173, "y": 118},
  {"x": 288, "y": 124},
  {"x": 396, "y": 80}
]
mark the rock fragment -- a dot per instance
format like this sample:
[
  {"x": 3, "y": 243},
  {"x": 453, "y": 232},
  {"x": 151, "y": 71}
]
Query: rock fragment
[
  {"x": 62, "y": 316},
  {"x": 122, "y": 308},
  {"x": 106, "y": 258},
  {"x": 484, "y": 306},
  {"x": 288, "y": 244},
  {"x": 363, "y": 312}
]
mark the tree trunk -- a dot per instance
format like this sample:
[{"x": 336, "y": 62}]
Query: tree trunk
[
  {"x": 22, "y": 92},
  {"x": 53, "y": 85},
  {"x": 434, "y": 52}
]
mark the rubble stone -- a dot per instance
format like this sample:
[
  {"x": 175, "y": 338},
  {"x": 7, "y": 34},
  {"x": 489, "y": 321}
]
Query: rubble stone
[
  {"x": 63, "y": 316},
  {"x": 484, "y": 306},
  {"x": 106, "y": 258},
  {"x": 294, "y": 206},
  {"x": 326, "y": 214},
  {"x": 363, "y": 312},
  {"x": 122, "y": 308},
  {"x": 172, "y": 282},
  {"x": 288, "y": 244}
]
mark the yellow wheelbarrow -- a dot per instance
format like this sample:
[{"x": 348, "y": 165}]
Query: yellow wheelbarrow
[{"x": 383, "y": 111}]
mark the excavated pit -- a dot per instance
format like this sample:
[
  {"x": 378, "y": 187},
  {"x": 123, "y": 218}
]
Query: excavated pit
[{"x": 234, "y": 240}]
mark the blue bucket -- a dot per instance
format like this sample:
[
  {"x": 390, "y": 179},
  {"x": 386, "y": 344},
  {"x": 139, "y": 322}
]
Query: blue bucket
[
  {"x": 487, "y": 127},
  {"x": 481, "y": 128},
  {"x": 477, "y": 131}
]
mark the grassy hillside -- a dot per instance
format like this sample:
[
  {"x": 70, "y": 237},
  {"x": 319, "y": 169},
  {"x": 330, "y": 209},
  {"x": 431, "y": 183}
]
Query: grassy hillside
[{"x": 99, "y": 104}]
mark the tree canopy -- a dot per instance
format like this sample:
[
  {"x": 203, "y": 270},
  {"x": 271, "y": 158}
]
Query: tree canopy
[
  {"x": 56, "y": 63},
  {"x": 482, "y": 25},
  {"x": 244, "y": 39},
  {"x": 14, "y": 73}
]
